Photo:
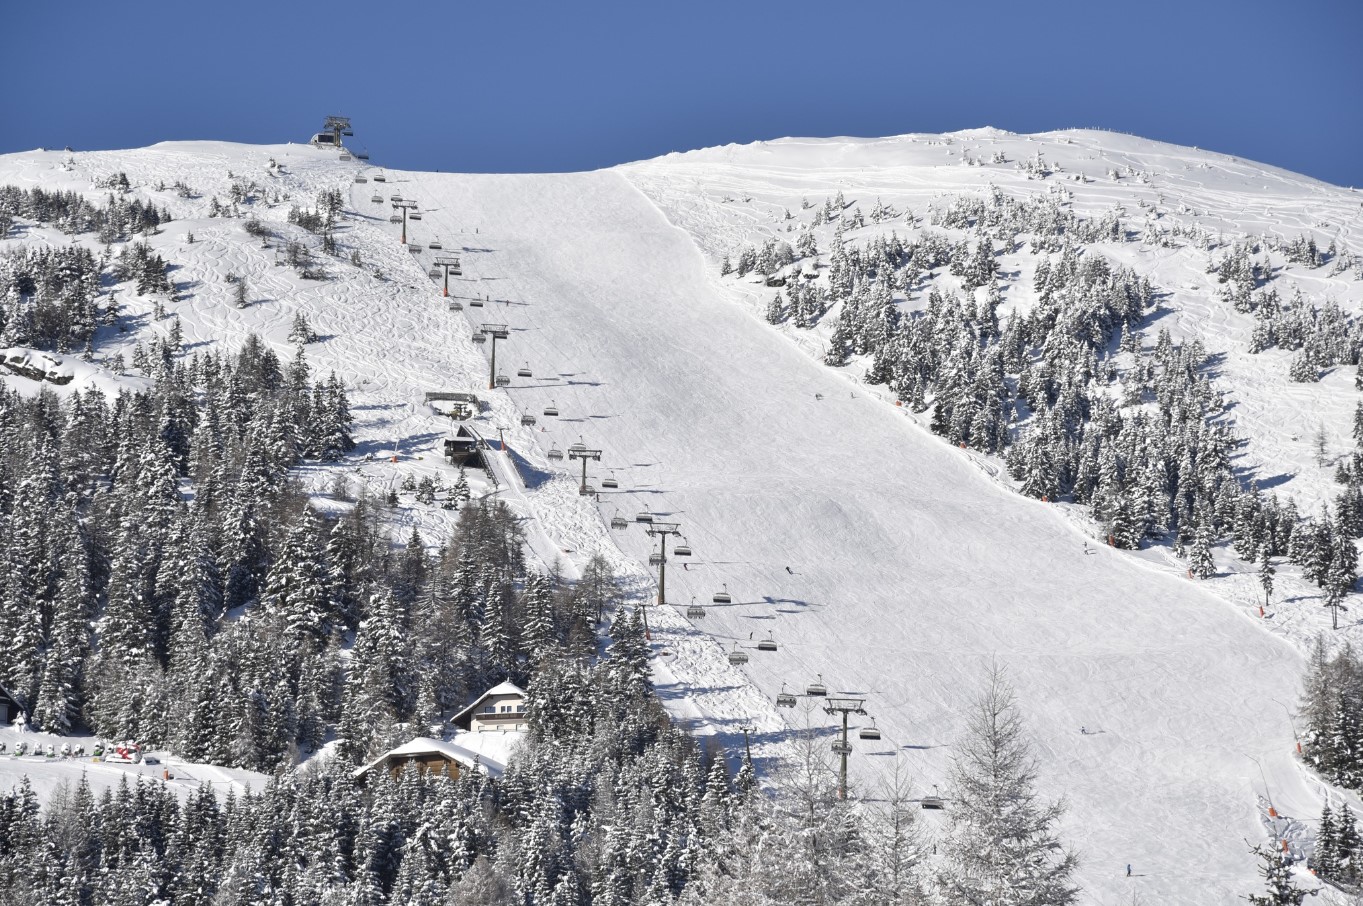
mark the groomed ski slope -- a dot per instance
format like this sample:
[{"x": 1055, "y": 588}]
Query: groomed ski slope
[{"x": 910, "y": 570}]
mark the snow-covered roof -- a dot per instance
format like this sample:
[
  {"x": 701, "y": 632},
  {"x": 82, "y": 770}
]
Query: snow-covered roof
[
  {"x": 425, "y": 745},
  {"x": 504, "y": 688}
]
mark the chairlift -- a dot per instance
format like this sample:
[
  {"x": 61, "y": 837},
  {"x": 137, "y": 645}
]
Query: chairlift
[
  {"x": 841, "y": 748},
  {"x": 610, "y": 482},
  {"x": 554, "y": 454},
  {"x": 362, "y": 155},
  {"x": 436, "y": 243},
  {"x": 396, "y": 218},
  {"x": 456, "y": 305},
  {"x": 414, "y": 248},
  {"x": 682, "y": 550},
  {"x": 524, "y": 371},
  {"x": 738, "y": 656},
  {"x": 655, "y": 559},
  {"x": 345, "y": 155},
  {"x": 871, "y": 732},
  {"x": 767, "y": 644},
  {"x": 395, "y": 198},
  {"x": 376, "y": 198},
  {"x": 379, "y": 177},
  {"x": 551, "y": 411},
  {"x": 645, "y": 517},
  {"x": 359, "y": 178},
  {"x": 433, "y": 273},
  {"x": 785, "y": 699},
  {"x": 502, "y": 380},
  {"x": 528, "y": 420},
  {"x": 818, "y": 689},
  {"x": 619, "y": 522},
  {"x": 935, "y": 803},
  {"x": 723, "y": 597},
  {"x": 577, "y": 446},
  {"x": 586, "y": 490},
  {"x": 694, "y": 611},
  {"x": 413, "y": 215},
  {"x": 480, "y": 338},
  {"x": 476, "y": 302}
]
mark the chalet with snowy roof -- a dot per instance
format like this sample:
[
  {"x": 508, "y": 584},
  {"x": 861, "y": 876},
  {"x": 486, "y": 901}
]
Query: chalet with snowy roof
[
  {"x": 500, "y": 708},
  {"x": 463, "y": 448},
  {"x": 9, "y": 707},
  {"x": 428, "y": 754}
]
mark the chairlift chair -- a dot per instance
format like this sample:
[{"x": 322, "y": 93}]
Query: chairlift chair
[
  {"x": 738, "y": 656},
  {"x": 555, "y": 454},
  {"x": 933, "y": 802},
  {"x": 394, "y": 197},
  {"x": 480, "y": 338},
  {"x": 682, "y": 550},
  {"x": 414, "y": 248},
  {"x": 723, "y": 597},
  {"x": 785, "y": 699},
  {"x": 524, "y": 371},
  {"x": 359, "y": 178},
  {"x": 841, "y": 748},
  {"x": 528, "y": 420},
  {"x": 362, "y": 155},
  {"x": 551, "y": 411},
  {"x": 502, "y": 381},
  {"x": 871, "y": 732},
  {"x": 817, "y": 689},
  {"x": 619, "y": 522},
  {"x": 345, "y": 155},
  {"x": 694, "y": 611},
  {"x": 376, "y": 198},
  {"x": 396, "y": 218},
  {"x": 767, "y": 644},
  {"x": 379, "y": 177},
  {"x": 577, "y": 446},
  {"x": 476, "y": 302},
  {"x": 610, "y": 482},
  {"x": 645, "y": 517},
  {"x": 436, "y": 243},
  {"x": 456, "y": 305},
  {"x": 586, "y": 490},
  {"x": 655, "y": 559},
  {"x": 413, "y": 215},
  {"x": 433, "y": 273}
]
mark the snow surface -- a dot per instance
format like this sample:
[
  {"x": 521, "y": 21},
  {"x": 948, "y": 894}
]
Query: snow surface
[{"x": 894, "y": 566}]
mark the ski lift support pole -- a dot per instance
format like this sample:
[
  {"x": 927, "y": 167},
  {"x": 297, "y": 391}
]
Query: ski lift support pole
[
  {"x": 450, "y": 265},
  {"x": 843, "y": 748},
  {"x": 584, "y": 455},
  {"x": 661, "y": 530},
  {"x": 496, "y": 332},
  {"x": 405, "y": 205}
]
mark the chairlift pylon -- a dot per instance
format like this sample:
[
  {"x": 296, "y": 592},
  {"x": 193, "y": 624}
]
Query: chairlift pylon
[
  {"x": 767, "y": 644},
  {"x": 723, "y": 597},
  {"x": 817, "y": 689},
  {"x": 738, "y": 656}
]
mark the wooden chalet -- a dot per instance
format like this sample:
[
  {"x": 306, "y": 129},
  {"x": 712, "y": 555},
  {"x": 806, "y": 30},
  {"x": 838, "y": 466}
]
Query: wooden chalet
[
  {"x": 463, "y": 449},
  {"x": 500, "y": 708},
  {"x": 427, "y": 754},
  {"x": 9, "y": 707}
]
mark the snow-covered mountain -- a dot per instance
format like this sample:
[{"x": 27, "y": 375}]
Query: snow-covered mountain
[{"x": 889, "y": 563}]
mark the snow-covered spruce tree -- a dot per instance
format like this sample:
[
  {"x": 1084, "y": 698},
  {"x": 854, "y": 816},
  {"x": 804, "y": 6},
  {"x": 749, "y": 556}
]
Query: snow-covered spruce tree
[
  {"x": 1276, "y": 870},
  {"x": 1001, "y": 848}
]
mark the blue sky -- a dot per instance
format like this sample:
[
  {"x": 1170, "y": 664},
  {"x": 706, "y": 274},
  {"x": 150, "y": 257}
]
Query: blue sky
[{"x": 540, "y": 86}]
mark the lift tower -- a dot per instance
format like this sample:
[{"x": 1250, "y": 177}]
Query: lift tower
[{"x": 842, "y": 748}]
